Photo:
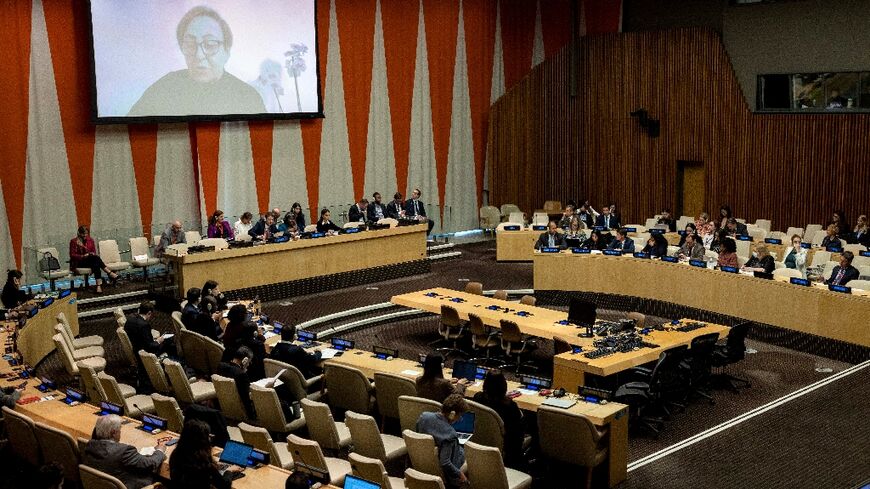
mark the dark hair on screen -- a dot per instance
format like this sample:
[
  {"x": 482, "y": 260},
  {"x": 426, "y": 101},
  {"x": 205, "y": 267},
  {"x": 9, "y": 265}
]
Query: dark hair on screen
[
  {"x": 208, "y": 287},
  {"x": 727, "y": 209},
  {"x": 192, "y": 454},
  {"x": 193, "y": 295},
  {"x": 213, "y": 220},
  {"x": 146, "y": 307},
  {"x": 323, "y": 212},
  {"x": 729, "y": 245},
  {"x": 247, "y": 215},
  {"x": 296, "y": 205},
  {"x": 433, "y": 367},
  {"x": 208, "y": 304},
  {"x": 288, "y": 332},
  {"x": 237, "y": 313},
  {"x": 13, "y": 274},
  {"x": 202, "y": 11},
  {"x": 495, "y": 385}
]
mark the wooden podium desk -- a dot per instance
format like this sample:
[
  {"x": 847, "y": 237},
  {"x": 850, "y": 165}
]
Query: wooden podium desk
[
  {"x": 515, "y": 245},
  {"x": 273, "y": 263},
  {"x": 613, "y": 415},
  {"x": 808, "y": 310},
  {"x": 34, "y": 339}
]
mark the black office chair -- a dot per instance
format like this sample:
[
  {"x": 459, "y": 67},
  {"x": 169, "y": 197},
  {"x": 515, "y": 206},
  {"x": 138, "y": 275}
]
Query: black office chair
[
  {"x": 654, "y": 391},
  {"x": 514, "y": 345},
  {"x": 698, "y": 365},
  {"x": 733, "y": 351}
]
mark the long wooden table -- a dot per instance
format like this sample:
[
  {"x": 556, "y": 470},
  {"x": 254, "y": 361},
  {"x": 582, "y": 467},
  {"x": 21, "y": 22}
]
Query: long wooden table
[
  {"x": 239, "y": 268},
  {"x": 515, "y": 245},
  {"x": 612, "y": 415},
  {"x": 809, "y": 310},
  {"x": 34, "y": 340}
]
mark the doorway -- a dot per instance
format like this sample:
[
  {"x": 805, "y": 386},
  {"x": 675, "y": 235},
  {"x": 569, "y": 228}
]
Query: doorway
[{"x": 690, "y": 188}]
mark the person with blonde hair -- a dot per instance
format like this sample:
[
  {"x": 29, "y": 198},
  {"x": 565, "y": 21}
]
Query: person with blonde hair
[{"x": 761, "y": 261}]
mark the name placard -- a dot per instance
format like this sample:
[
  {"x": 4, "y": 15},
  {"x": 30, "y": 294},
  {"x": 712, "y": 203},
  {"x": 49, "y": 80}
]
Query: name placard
[
  {"x": 698, "y": 263},
  {"x": 773, "y": 241}
]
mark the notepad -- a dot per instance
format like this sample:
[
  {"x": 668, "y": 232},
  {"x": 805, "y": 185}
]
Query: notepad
[
  {"x": 268, "y": 380},
  {"x": 559, "y": 403},
  {"x": 410, "y": 372},
  {"x": 327, "y": 353}
]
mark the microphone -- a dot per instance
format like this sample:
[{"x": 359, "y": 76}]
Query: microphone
[{"x": 139, "y": 409}]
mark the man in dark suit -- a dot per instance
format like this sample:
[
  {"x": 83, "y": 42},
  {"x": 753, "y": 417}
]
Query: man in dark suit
[
  {"x": 415, "y": 209},
  {"x": 138, "y": 330},
  {"x": 288, "y": 352},
  {"x": 844, "y": 272},
  {"x": 376, "y": 209},
  {"x": 396, "y": 209},
  {"x": 357, "y": 212},
  {"x": 622, "y": 242},
  {"x": 191, "y": 310},
  {"x": 265, "y": 228},
  {"x": 667, "y": 220},
  {"x": 607, "y": 220},
  {"x": 105, "y": 453},
  {"x": 552, "y": 238},
  {"x": 736, "y": 228},
  {"x": 237, "y": 369}
]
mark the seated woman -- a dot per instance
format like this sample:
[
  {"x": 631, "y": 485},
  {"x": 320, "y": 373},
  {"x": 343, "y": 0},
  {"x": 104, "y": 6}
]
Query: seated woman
[
  {"x": 575, "y": 229},
  {"x": 192, "y": 466},
  {"x": 211, "y": 288},
  {"x": 432, "y": 384},
  {"x": 324, "y": 225},
  {"x": 728, "y": 254},
  {"x": 243, "y": 225},
  {"x": 207, "y": 321},
  {"x": 761, "y": 261},
  {"x": 83, "y": 254},
  {"x": 440, "y": 426},
  {"x": 721, "y": 237},
  {"x": 831, "y": 240},
  {"x": 656, "y": 245},
  {"x": 796, "y": 256},
  {"x": 288, "y": 227},
  {"x": 595, "y": 242},
  {"x": 692, "y": 249},
  {"x": 13, "y": 296},
  {"x": 220, "y": 228},
  {"x": 706, "y": 229},
  {"x": 240, "y": 331},
  {"x": 494, "y": 396},
  {"x": 690, "y": 229},
  {"x": 861, "y": 235},
  {"x": 839, "y": 220},
  {"x": 298, "y": 216}
]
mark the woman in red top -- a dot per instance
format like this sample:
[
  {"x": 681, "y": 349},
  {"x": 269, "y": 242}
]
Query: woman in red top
[{"x": 83, "y": 254}]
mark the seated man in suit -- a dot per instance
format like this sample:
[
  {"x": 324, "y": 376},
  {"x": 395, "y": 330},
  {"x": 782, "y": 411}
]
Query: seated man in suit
[
  {"x": 736, "y": 228},
  {"x": 106, "y": 453},
  {"x": 173, "y": 235},
  {"x": 567, "y": 216},
  {"x": 357, "y": 212},
  {"x": 622, "y": 242},
  {"x": 607, "y": 220},
  {"x": 237, "y": 369},
  {"x": 265, "y": 228},
  {"x": 844, "y": 272},
  {"x": 667, "y": 220},
  {"x": 191, "y": 309},
  {"x": 396, "y": 209},
  {"x": 415, "y": 209},
  {"x": 207, "y": 320},
  {"x": 376, "y": 210},
  {"x": 692, "y": 249},
  {"x": 138, "y": 328},
  {"x": 552, "y": 238},
  {"x": 288, "y": 352}
]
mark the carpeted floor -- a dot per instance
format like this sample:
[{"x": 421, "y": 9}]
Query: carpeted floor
[{"x": 773, "y": 371}]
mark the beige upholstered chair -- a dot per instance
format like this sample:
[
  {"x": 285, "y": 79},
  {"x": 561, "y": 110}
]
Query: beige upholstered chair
[
  {"x": 810, "y": 231},
  {"x": 155, "y": 372},
  {"x": 348, "y": 389},
  {"x": 418, "y": 480},
  {"x": 372, "y": 469},
  {"x": 127, "y": 347},
  {"x": 94, "y": 479},
  {"x": 58, "y": 446},
  {"x": 322, "y": 428},
  {"x": 94, "y": 389},
  {"x": 474, "y": 288},
  {"x": 297, "y": 383},
  {"x": 528, "y": 300},
  {"x": 69, "y": 363},
  {"x": 490, "y": 217},
  {"x": 410, "y": 409},
  {"x": 517, "y": 218},
  {"x": 507, "y": 209},
  {"x": 757, "y": 234},
  {"x": 787, "y": 272},
  {"x": 501, "y": 295},
  {"x": 259, "y": 438},
  {"x": 389, "y": 388},
  {"x": 818, "y": 238},
  {"x": 177, "y": 325},
  {"x": 763, "y": 224},
  {"x": 21, "y": 436},
  {"x": 192, "y": 238},
  {"x": 141, "y": 255},
  {"x": 570, "y": 438},
  {"x": 80, "y": 342},
  {"x": 108, "y": 249},
  {"x": 640, "y": 318},
  {"x": 167, "y": 407},
  {"x": 486, "y": 469},
  {"x": 859, "y": 284},
  {"x": 488, "y": 426},
  {"x": 501, "y": 227},
  {"x": 854, "y": 248},
  {"x": 133, "y": 406},
  {"x": 540, "y": 219},
  {"x": 218, "y": 243},
  {"x": 820, "y": 257},
  {"x": 422, "y": 452},
  {"x": 48, "y": 274},
  {"x": 201, "y": 353},
  {"x": 744, "y": 249},
  {"x": 120, "y": 317},
  {"x": 78, "y": 353},
  {"x": 792, "y": 231},
  {"x": 369, "y": 442},
  {"x": 302, "y": 449},
  {"x": 269, "y": 412},
  {"x": 228, "y": 397},
  {"x": 829, "y": 269},
  {"x": 185, "y": 391}
]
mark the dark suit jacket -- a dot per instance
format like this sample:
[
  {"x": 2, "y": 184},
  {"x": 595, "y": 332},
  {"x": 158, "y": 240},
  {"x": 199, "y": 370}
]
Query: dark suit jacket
[
  {"x": 123, "y": 462},
  {"x": 243, "y": 383},
  {"x": 188, "y": 315},
  {"x": 297, "y": 356},
  {"x": 260, "y": 228},
  {"x": 659, "y": 249},
  {"x": 614, "y": 221},
  {"x": 394, "y": 209},
  {"x": 544, "y": 241},
  {"x": 850, "y": 274},
  {"x": 372, "y": 212},
  {"x": 415, "y": 208},
  {"x": 300, "y": 221},
  {"x": 670, "y": 223},
  {"x": 626, "y": 245},
  {"x": 587, "y": 219},
  {"x": 205, "y": 325},
  {"x": 328, "y": 226},
  {"x": 12, "y": 296},
  {"x": 139, "y": 332},
  {"x": 741, "y": 229},
  {"x": 355, "y": 214}
]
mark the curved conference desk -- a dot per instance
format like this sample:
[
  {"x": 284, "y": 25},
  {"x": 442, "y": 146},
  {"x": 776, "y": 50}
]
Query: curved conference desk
[
  {"x": 34, "y": 339},
  {"x": 811, "y": 310}
]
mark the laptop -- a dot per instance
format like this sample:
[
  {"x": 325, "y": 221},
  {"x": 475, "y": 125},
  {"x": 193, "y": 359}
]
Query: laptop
[
  {"x": 107, "y": 408},
  {"x": 153, "y": 424},
  {"x": 463, "y": 369},
  {"x": 353, "y": 482},
  {"x": 236, "y": 453},
  {"x": 572, "y": 242},
  {"x": 464, "y": 427}
]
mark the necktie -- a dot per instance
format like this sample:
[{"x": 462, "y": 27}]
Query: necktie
[
  {"x": 552, "y": 242},
  {"x": 607, "y": 221},
  {"x": 416, "y": 207},
  {"x": 839, "y": 276}
]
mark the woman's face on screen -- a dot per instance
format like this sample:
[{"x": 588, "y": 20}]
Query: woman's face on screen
[{"x": 206, "y": 62}]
